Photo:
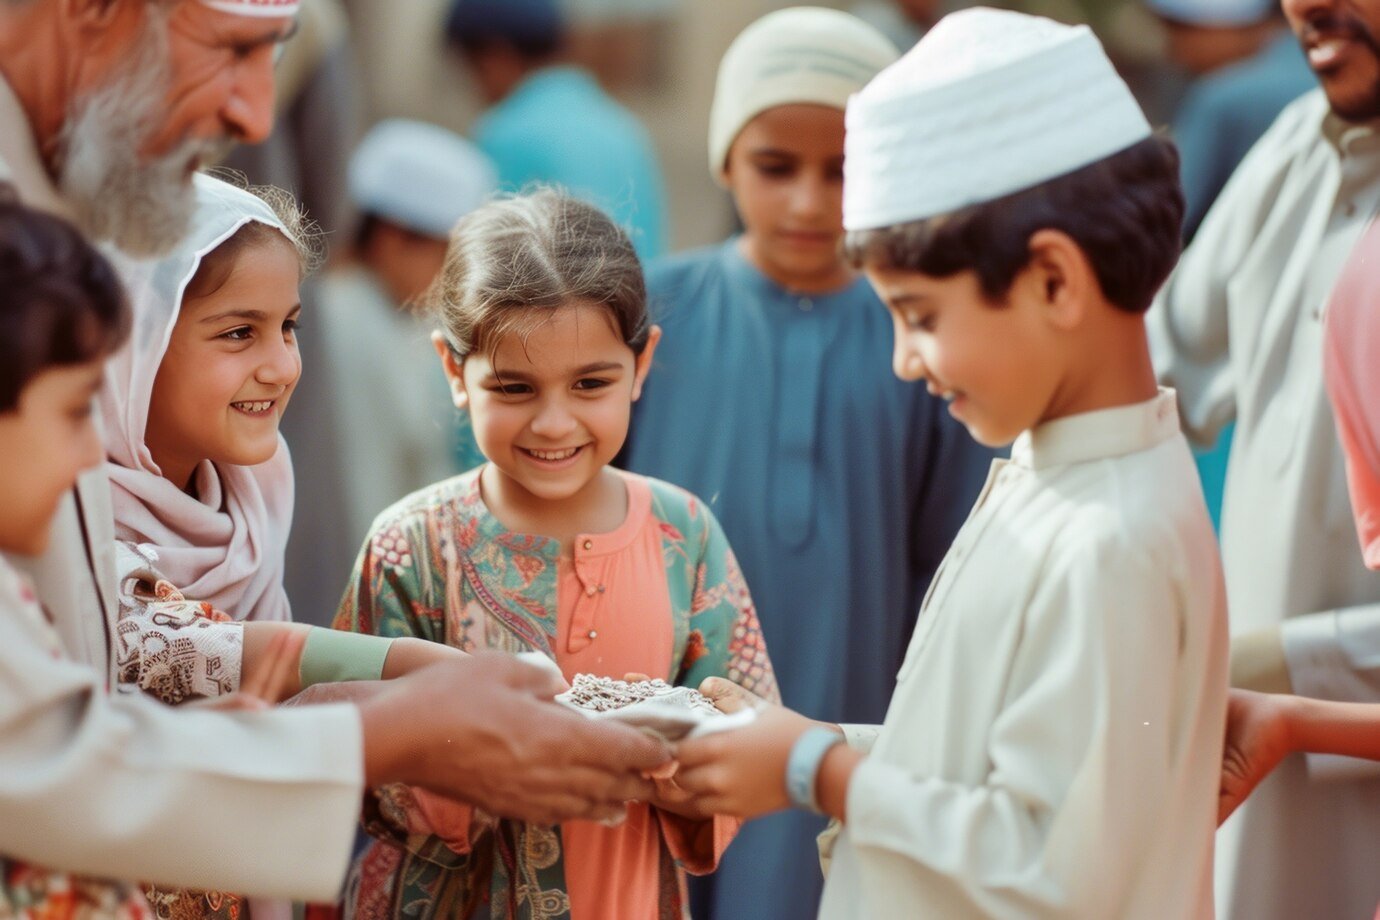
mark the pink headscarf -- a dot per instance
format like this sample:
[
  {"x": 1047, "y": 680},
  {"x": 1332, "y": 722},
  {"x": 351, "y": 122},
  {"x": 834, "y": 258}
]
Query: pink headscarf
[
  {"x": 227, "y": 546},
  {"x": 1351, "y": 361}
]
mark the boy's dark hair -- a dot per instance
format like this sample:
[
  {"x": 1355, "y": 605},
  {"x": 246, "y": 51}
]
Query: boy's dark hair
[
  {"x": 61, "y": 302},
  {"x": 534, "y": 29},
  {"x": 1125, "y": 212}
]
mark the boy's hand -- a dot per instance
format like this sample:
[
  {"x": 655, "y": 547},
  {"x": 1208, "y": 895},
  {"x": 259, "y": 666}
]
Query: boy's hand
[
  {"x": 1257, "y": 740},
  {"x": 483, "y": 730},
  {"x": 742, "y": 773}
]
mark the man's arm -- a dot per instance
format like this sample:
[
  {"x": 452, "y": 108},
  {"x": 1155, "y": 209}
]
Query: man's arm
[
  {"x": 266, "y": 802},
  {"x": 125, "y": 787}
]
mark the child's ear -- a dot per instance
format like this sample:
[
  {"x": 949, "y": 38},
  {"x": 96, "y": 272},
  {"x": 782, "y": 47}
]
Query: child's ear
[
  {"x": 452, "y": 368},
  {"x": 644, "y": 361},
  {"x": 1060, "y": 278}
]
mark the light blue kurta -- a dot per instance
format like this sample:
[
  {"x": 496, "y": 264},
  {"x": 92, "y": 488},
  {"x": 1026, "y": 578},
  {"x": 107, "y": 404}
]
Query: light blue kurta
[
  {"x": 839, "y": 486},
  {"x": 559, "y": 127}
]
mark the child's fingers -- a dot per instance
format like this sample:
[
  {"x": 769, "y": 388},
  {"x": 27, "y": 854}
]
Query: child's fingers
[
  {"x": 635, "y": 677},
  {"x": 663, "y": 772},
  {"x": 728, "y": 696}
]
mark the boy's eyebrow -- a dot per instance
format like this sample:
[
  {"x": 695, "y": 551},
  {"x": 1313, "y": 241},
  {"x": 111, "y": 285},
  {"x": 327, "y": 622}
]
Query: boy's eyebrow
[{"x": 773, "y": 152}]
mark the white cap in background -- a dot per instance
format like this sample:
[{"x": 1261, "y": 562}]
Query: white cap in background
[
  {"x": 990, "y": 102},
  {"x": 419, "y": 176},
  {"x": 800, "y": 55}
]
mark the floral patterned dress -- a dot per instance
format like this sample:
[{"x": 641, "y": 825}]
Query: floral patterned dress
[{"x": 440, "y": 566}]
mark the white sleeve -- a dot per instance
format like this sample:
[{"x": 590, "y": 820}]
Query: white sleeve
[
  {"x": 1080, "y": 758},
  {"x": 861, "y": 738},
  {"x": 124, "y": 787},
  {"x": 1188, "y": 323}
]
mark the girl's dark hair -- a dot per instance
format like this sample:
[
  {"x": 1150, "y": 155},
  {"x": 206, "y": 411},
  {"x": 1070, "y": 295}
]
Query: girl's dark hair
[
  {"x": 1125, "y": 212},
  {"x": 515, "y": 260},
  {"x": 61, "y": 302}
]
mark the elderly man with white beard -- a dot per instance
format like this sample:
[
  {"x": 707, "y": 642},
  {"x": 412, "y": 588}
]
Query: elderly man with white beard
[{"x": 106, "y": 109}]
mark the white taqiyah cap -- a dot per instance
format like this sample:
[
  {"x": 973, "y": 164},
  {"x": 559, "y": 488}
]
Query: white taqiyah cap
[
  {"x": 800, "y": 55},
  {"x": 990, "y": 102},
  {"x": 419, "y": 176},
  {"x": 262, "y": 8},
  {"x": 1224, "y": 13}
]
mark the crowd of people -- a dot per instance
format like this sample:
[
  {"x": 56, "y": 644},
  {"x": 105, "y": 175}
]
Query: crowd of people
[{"x": 900, "y": 471}]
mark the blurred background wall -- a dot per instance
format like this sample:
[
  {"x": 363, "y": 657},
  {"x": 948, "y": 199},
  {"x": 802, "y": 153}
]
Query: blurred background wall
[{"x": 659, "y": 58}]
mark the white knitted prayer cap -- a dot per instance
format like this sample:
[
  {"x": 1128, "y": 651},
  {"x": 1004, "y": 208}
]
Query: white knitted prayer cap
[
  {"x": 799, "y": 55},
  {"x": 990, "y": 102},
  {"x": 419, "y": 176},
  {"x": 259, "y": 8}
]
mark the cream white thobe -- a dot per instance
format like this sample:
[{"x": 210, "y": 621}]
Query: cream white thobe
[
  {"x": 1238, "y": 331},
  {"x": 1054, "y": 744},
  {"x": 119, "y": 786}
]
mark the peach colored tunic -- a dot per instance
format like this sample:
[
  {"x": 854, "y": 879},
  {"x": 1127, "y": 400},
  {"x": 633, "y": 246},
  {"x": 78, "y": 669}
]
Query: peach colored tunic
[{"x": 614, "y": 617}]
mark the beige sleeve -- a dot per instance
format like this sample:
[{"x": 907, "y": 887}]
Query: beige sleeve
[{"x": 124, "y": 787}]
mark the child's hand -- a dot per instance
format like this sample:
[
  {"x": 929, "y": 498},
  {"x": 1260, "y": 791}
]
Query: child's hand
[
  {"x": 730, "y": 697},
  {"x": 670, "y": 796},
  {"x": 1257, "y": 740},
  {"x": 742, "y": 773}
]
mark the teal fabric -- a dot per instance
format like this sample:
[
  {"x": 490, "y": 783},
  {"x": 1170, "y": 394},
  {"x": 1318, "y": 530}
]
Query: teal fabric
[
  {"x": 331, "y": 656},
  {"x": 1212, "y": 472},
  {"x": 559, "y": 127},
  {"x": 839, "y": 486}
]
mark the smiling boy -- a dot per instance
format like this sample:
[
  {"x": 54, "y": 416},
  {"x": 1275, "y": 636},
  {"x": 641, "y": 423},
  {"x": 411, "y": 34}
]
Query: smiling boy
[{"x": 1052, "y": 747}]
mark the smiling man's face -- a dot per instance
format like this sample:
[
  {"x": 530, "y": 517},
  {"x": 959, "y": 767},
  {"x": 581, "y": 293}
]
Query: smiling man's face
[{"x": 1339, "y": 38}]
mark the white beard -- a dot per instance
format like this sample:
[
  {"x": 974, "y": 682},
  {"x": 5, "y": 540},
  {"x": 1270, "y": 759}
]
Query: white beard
[{"x": 142, "y": 206}]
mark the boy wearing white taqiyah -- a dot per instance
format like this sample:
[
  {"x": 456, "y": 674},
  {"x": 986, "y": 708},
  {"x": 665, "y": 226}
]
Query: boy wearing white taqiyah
[
  {"x": 1049, "y": 751},
  {"x": 1053, "y": 745}
]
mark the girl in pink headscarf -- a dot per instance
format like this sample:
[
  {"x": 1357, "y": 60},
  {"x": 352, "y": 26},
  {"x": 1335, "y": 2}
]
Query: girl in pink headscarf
[
  {"x": 1263, "y": 728},
  {"x": 202, "y": 482}
]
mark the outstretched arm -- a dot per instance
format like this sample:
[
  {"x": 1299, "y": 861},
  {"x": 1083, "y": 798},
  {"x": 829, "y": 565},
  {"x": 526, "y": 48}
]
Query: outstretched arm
[{"x": 1263, "y": 728}]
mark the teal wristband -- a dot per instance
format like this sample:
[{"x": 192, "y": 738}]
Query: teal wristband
[
  {"x": 331, "y": 656},
  {"x": 802, "y": 767}
]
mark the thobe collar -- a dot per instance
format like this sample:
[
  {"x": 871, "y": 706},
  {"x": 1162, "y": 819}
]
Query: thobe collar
[
  {"x": 20, "y": 158},
  {"x": 1350, "y": 138},
  {"x": 1099, "y": 435}
]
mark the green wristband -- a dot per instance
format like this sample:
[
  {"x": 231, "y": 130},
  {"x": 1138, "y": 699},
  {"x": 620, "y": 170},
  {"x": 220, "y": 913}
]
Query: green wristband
[{"x": 332, "y": 655}]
